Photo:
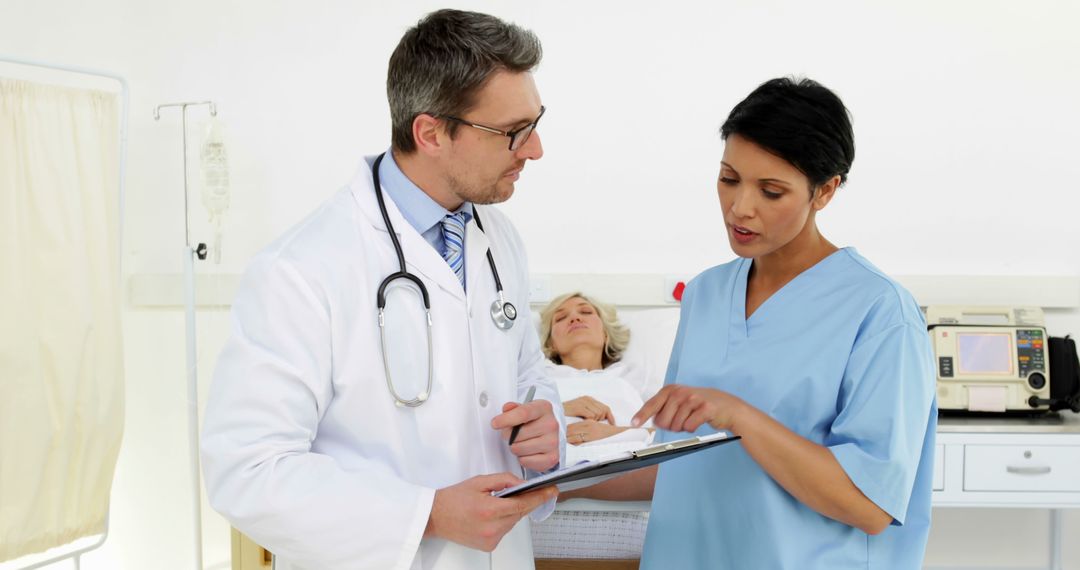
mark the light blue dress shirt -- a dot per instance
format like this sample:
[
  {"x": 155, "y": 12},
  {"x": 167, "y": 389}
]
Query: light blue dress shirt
[
  {"x": 423, "y": 214},
  {"x": 840, "y": 355}
]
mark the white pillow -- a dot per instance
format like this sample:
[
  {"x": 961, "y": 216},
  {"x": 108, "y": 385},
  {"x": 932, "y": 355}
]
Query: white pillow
[{"x": 652, "y": 333}]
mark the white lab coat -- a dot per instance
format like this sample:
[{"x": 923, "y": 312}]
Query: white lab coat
[{"x": 303, "y": 447}]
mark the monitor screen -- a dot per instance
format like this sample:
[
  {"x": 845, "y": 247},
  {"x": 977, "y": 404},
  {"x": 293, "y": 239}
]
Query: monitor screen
[{"x": 985, "y": 353}]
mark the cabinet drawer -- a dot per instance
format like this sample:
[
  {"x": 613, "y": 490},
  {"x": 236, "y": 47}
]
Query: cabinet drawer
[
  {"x": 1049, "y": 468},
  {"x": 939, "y": 467}
]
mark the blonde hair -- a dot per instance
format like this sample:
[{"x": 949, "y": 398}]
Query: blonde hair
[{"x": 616, "y": 335}]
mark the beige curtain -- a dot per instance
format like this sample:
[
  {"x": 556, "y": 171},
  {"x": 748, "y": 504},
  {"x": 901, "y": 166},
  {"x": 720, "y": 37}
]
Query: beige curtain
[{"x": 61, "y": 365}]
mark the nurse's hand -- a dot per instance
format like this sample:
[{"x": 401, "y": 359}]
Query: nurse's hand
[
  {"x": 537, "y": 443},
  {"x": 467, "y": 514},
  {"x": 589, "y": 408},
  {"x": 683, "y": 408}
]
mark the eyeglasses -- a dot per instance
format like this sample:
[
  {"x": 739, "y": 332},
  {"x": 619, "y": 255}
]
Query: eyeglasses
[{"x": 518, "y": 137}]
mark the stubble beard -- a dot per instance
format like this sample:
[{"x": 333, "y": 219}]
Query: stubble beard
[{"x": 486, "y": 194}]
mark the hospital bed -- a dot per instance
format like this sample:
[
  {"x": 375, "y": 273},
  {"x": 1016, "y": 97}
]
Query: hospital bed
[{"x": 586, "y": 534}]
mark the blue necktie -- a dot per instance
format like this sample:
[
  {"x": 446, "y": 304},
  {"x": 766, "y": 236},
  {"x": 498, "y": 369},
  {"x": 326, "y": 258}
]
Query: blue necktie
[{"x": 453, "y": 227}]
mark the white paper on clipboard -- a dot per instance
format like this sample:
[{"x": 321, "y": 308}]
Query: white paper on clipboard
[{"x": 592, "y": 472}]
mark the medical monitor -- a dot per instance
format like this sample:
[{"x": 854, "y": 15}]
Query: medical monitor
[{"x": 990, "y": 359}]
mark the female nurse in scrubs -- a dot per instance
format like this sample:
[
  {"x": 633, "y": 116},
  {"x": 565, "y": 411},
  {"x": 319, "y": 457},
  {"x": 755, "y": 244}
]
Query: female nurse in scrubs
[{"x": 810, "y": 353}]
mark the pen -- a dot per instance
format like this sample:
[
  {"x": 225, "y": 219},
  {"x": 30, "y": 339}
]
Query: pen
[{"x": 517, "y": 428}]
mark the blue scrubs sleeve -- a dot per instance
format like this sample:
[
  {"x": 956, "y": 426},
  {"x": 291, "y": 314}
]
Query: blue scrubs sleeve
[{"x": 885, "y": 400}]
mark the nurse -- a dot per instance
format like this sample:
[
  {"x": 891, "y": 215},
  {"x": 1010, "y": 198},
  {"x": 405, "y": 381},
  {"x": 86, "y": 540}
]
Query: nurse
[
  {"x": 810, "y": 353},
  {"x": 336, "y": 447}
]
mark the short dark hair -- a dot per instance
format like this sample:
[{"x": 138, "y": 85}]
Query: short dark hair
[
  {"x": 802, "y": 122},
  {"x": 444, "y": 60}
]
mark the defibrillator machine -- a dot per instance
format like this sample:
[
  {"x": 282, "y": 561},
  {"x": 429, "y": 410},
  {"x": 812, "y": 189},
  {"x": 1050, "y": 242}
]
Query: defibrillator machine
[{"x": 990, "y": 359}]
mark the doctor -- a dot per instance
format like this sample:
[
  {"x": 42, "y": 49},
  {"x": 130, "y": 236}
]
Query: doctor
[{"x": 338, "y": 433}]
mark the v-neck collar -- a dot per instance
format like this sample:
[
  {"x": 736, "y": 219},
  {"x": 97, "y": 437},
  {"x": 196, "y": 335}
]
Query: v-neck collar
[{"x": 740, "y": 322}]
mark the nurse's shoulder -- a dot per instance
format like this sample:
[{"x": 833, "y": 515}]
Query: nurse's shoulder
[{"x": 883, "y": 302}]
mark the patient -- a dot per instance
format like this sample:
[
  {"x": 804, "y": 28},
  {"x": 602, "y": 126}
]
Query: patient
[
  {"x": 585, "y": 342},
  {"x": 600, "y": 390}
]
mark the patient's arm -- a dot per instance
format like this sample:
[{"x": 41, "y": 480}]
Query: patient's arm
[
  {"x": 589, "y": 408},
  {"x": 590, "y": 430},
  {"x": 634, "y": 486}
]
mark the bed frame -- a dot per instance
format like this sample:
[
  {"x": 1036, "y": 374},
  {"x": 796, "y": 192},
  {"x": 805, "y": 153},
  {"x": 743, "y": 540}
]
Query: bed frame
[{"x": 584, "y": 564}]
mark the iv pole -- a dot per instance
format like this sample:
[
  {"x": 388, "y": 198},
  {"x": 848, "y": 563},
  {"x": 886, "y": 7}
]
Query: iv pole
[{"x": 190, "y": 253}]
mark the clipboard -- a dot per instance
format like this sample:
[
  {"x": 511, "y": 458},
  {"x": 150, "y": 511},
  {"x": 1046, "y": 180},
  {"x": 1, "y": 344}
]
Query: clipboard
[{"x": 584, "y": 473}]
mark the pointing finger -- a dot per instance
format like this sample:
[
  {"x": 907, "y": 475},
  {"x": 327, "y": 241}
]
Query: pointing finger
[{"x": 650, "y": 408}]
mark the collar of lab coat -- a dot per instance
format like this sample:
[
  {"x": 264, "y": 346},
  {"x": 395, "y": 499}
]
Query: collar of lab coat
[{"x": 419, "y": 255}]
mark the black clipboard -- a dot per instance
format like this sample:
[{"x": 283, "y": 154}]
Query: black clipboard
[{"x": 627, "y": 461}]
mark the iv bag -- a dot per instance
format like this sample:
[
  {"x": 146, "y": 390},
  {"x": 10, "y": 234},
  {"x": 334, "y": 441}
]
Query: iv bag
[
  {"x": 215, "y": 171},
  {"x": 215, "y": 178}
]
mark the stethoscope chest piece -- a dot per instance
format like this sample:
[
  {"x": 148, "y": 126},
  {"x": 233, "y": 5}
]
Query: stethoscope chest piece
[{"x": 503, "y": 313}]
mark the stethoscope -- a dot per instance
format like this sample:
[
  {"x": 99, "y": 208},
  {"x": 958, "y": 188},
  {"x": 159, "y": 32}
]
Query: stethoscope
[{"x": 503, "y": 313}]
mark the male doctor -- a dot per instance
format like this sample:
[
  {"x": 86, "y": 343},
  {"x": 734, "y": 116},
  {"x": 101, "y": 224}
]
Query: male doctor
[{"x": 323, "y": 440}]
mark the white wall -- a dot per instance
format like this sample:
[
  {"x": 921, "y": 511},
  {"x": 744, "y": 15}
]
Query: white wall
[{"x": 964, "y": 112}]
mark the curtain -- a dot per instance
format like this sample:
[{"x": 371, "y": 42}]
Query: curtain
[{"x": 61, "y": 361}]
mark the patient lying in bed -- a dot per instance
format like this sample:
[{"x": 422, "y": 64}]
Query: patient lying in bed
[
  {"x": 584, "y": 341},
  {"x": 602, "y": 384}
]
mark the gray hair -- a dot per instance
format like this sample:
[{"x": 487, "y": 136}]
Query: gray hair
[
  {"x": 616, "y": 335},
  {"x": 441, "y": 63}
]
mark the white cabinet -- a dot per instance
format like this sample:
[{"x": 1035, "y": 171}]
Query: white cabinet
[
  {"x": 1031, "y": 468},
  {"x": 1003, "y": 463},
  {"x": 1022, "y": 463}
]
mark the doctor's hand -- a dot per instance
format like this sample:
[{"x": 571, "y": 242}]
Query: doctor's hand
[
  {"x": 467, "y": 514},
  {"x": 537, "y": 443},
  {"x": 683, "y": 408}
]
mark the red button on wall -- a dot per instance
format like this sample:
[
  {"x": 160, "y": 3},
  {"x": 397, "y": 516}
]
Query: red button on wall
[{"x": 678, "y": 290}]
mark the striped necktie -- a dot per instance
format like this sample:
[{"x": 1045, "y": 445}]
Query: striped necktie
[{"x": 453, "y": 228}]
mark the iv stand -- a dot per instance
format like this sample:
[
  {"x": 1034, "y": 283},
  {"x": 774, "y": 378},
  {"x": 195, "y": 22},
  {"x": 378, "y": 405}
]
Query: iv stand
[{"x": 190, "y": 253}]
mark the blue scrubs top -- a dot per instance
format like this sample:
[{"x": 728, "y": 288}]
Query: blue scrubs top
[{"x": 840, "y": 355}]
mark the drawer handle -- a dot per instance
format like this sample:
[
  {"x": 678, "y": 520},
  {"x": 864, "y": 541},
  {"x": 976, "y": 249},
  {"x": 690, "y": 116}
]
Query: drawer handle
[{"x": 1043, "y": 470}]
